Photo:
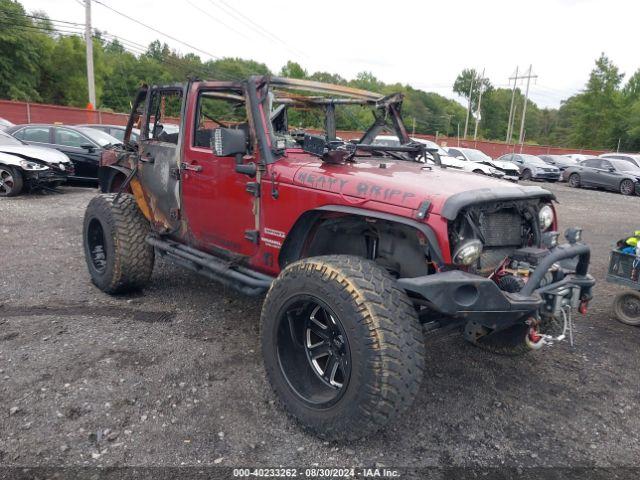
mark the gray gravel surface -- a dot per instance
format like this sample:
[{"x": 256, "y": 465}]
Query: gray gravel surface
[{"x": 173, "y": 376}]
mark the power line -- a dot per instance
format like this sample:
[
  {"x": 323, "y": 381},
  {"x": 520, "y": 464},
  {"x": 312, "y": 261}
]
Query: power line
[
  {"x": 156, "y": 30},
  {"x": 218, "y": 20},
  {"x": 259, "y": 29}
]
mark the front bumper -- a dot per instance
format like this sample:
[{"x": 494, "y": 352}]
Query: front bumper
[
  {"x": 553, "y": 176},
  {"x": 43, "y": 177},
  {"x": 464, "y": 295},
  {"x": 512, "y": 177}
]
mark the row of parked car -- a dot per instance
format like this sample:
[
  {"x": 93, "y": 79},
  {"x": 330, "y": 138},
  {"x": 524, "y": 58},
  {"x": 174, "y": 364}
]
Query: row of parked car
[
  {"x": 619, "y": 172},
  {"x": 46, "y": 155},
  {"x": 43, "y": 156}
]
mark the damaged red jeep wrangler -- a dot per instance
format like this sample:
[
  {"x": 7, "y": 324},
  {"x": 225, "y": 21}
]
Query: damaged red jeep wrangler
[{"x": 360, "y": 248}]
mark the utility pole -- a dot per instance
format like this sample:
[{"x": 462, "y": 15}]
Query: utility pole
[
  {"x": 89, "y": 41},
  {"x": 529, "y": 76},
  {"x": 466, "y": 122},
  {"x": 475, "y": 131},
  {"x": 513, "y": 97}
]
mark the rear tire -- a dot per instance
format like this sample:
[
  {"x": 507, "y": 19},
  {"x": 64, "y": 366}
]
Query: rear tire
[
  {"x": 11, "y": 182},
  {"x": 574, "y": 180},
  {"x": 373, "y": 335},
  {"x": 526, "y": 175},
  {"x": 627, "y": 187},
  {"x": 117, "y": 255},
  {"x": 626, "y": 307}
]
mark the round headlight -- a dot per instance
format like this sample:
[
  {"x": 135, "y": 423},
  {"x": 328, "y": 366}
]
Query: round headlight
[
  {"x": 467, "y": 252},
  {"x": 545, "y": 217}
]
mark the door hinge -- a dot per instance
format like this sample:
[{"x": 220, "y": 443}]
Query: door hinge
[
  {"x": 174, "y": 213},
  {"x": 175, "y": 173},
  {"x": 252, "y": 235},
  {"x": 253, "y": 188}
]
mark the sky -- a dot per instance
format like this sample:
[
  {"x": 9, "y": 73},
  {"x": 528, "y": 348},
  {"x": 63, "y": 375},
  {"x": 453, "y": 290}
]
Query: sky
[{"x": 425, "y": 44}]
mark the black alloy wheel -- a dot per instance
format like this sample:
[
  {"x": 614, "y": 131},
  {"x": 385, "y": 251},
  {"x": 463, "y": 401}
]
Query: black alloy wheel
[
  {"x": 96, "y": 245},
  {"x": 313, "y": 351}
]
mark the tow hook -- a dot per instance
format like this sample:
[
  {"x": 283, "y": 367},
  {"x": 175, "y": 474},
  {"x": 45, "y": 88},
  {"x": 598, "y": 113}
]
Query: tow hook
[
  {"x": 534, "y": 340},
  {"x": 583, "y": 307}
]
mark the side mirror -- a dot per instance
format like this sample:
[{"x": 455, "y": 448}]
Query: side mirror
[
  {"x": 611, "y": 169},
  {"x": 460, "y": 157},
  {"x": 88, "y": 147},
  {"x": 227, "y": 142}
]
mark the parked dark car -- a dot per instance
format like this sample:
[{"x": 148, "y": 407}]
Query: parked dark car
[
  {"x": 116, "y": 131},
  {"x": 617, "y": 175},
  {"x": 532, "y": 167},
  {"x": 81, "y": 144}
]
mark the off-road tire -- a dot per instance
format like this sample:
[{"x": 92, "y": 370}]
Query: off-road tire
[
  {"x": 382, "y": 329},
  {"x": 18, "y": 182},
  {"x": 526, "y": 174},
  {"x": 627, "y": 187},
  {"x": 511, "y": 341},
  {"x": 619, "y": 309},
  {"x": 128, "y": 261},
  {"x": 574, "y": 180}
]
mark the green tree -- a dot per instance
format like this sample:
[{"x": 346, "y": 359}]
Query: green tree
[
  {"x": 293, "y": 70},
  {"x": 22, "y": 48},
  {"x": 469, "y": 81},
  {"x": 598, "y": 117}
]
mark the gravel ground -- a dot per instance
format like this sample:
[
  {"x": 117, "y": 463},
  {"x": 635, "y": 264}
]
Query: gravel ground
[{"x": 173, "y": 376}]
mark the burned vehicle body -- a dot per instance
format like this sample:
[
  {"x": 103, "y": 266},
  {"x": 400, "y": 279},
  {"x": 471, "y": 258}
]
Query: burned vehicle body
[{"x": 238, "y": 195}]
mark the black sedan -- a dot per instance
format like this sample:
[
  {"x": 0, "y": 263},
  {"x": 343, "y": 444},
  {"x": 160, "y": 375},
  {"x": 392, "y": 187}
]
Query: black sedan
[
  {"x": 617, "y": 175},
  {"x": 81, "y": 144}
]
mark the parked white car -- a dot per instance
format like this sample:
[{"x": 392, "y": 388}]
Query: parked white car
[
  {"x": 510, "y": 170},
  {"x": 446, "y": 159},
  {"x": 24, "y": 166}
]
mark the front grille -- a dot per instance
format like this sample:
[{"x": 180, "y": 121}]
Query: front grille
[{"x": 501, "y": 229}]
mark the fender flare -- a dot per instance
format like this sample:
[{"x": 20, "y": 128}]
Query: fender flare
[
  {"x": 294, "y": 242},
  {"x": 106, "y": 174}
]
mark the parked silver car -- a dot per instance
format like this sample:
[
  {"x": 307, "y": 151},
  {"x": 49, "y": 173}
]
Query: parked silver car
[{"x": 532, "y": 167}]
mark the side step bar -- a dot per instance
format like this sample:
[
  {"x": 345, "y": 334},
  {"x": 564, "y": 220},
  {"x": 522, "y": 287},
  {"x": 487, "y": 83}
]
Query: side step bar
[{"x": 237, "y": 277}]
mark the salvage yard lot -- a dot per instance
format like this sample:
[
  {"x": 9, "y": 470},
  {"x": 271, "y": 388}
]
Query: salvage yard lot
[{"x": 174, "y": 376}]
